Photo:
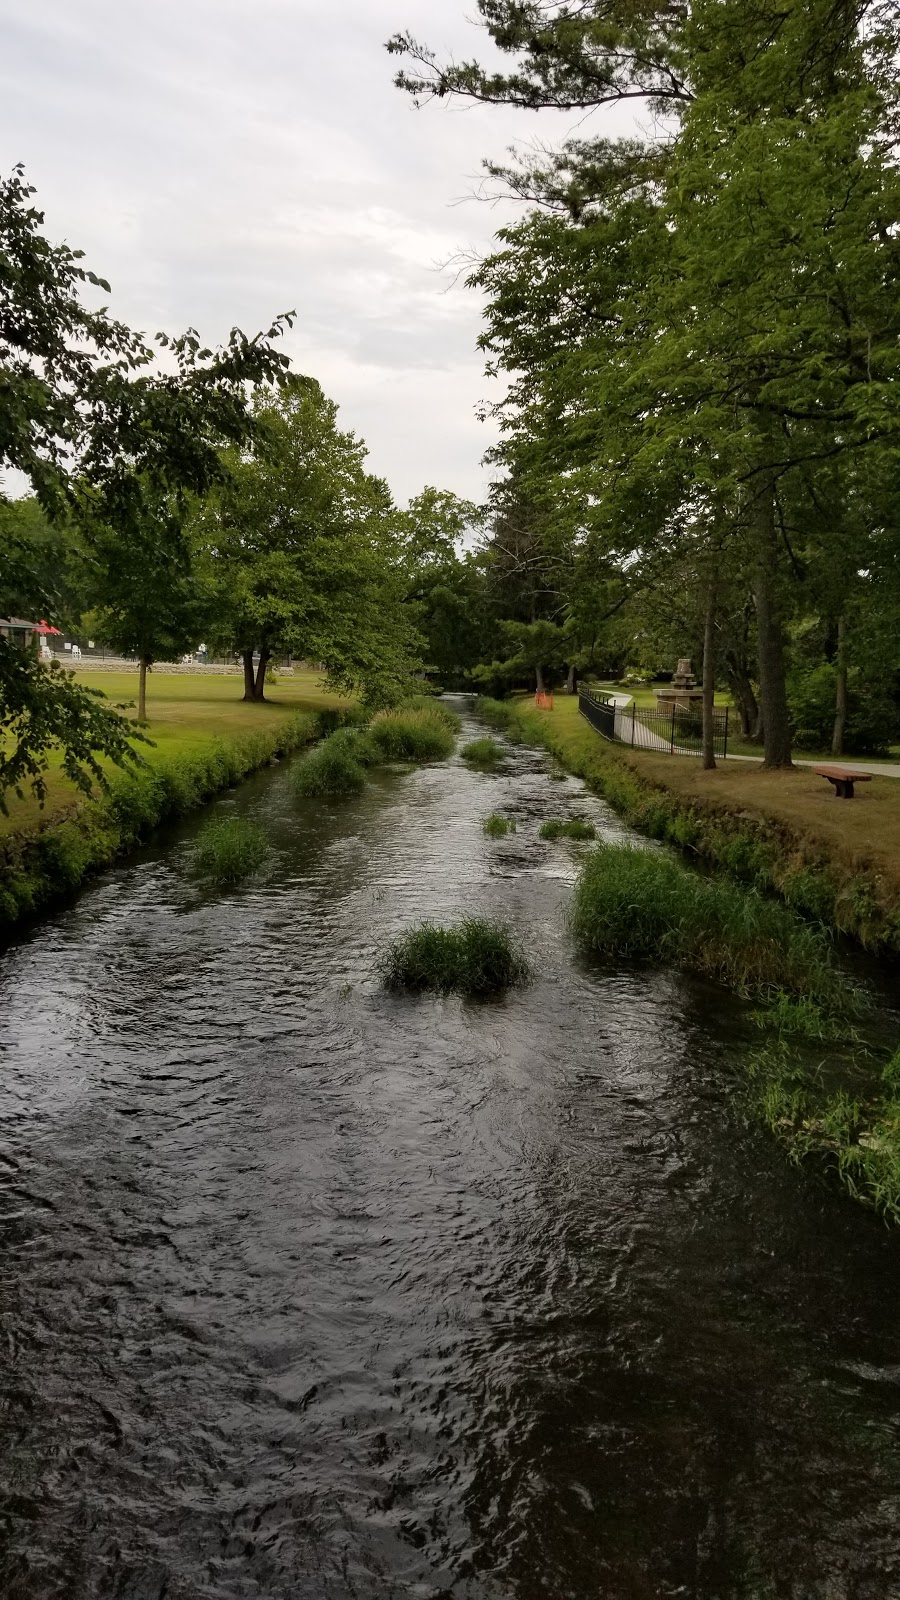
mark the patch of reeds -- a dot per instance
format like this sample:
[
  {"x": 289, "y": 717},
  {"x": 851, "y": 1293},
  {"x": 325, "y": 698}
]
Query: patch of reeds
[
  {"x": 497, "y": 827},
  {"x": 230, "y": 849},
  {"x": 413, "y": 734},
  {"x": 436, "y": 707},
  {"x": 640, "y": 905},
  {"x": 331, "y": 769},
  {"x": 859, "y": 1139},
  {"x": 475, "y": 957},
  {"x": 482, "y": 753},
  {"x": 571, "y": 828},
  {"x": 801, "y": 1018}
]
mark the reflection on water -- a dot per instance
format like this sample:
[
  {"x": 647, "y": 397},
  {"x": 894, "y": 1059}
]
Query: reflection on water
[{"x": 313, "y": 1290}]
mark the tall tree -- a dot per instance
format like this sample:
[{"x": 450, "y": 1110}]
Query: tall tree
[
  {"x": 303, "y": 554},
  {"x": 97, "y": 427}
]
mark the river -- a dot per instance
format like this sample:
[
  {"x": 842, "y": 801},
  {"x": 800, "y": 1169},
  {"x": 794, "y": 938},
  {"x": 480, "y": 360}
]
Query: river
[{"x": 311, "y": 1290}]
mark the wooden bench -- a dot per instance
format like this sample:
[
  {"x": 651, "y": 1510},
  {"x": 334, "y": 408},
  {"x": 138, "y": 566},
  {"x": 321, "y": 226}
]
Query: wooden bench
[{"x": 843, "y": 780}]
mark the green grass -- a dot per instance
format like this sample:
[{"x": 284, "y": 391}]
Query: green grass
[
  {"x": 497, "y": 827},
  {"x": 636, "y": 904},
  {"x": 474, "y": 957},
  {"x": 482, "y": 752},
  {"x": 414, "y": 733},
  {"x": 857, "y": 1136},
  {"x": 231, "y": 849},
  {"x": 571, "y": 828},
  {"x": 333, "y": 768},
  {"x": 801, "y": 1018}
]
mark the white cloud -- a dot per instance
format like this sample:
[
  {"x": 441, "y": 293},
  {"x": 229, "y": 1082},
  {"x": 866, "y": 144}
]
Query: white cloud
[{"x": 224, "y": 160}]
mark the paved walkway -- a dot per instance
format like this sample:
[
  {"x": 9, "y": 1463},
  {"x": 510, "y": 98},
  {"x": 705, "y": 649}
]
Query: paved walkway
[{"x": 645, "y": 740}]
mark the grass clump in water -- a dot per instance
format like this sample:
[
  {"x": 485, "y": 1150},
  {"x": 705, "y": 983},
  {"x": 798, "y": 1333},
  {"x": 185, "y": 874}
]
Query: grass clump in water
[
  {"x": 229, "y": 850},
  {"x": 497, "y": 827},
  {"x": 473, "y": 957},
  {"x": 639, "y": 905},
  {"x": 573, "y": 828},
  {"x": 413, "y": 734},
  {"x": 482, "y": 752},
  {"x": 435, "y": 708},
  {"x": 332, "y": 768}
]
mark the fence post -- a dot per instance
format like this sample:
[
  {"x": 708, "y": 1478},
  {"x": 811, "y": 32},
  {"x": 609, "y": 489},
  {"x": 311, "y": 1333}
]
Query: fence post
[
  {"x": 672, "y": 746},
  {"x": 725, "y": 740},
  {"x": 633, "y": 715}
]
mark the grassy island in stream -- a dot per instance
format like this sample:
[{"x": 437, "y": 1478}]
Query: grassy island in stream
[
  {"x": 783, "y": 831},
  {"x": 204, "y": 738}
]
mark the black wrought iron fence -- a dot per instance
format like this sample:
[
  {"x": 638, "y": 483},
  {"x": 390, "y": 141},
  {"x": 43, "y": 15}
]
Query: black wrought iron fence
[{"x": 673, "y": 730}]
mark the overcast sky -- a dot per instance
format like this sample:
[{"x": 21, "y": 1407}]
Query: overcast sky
[{"x": 223, "y": 160}]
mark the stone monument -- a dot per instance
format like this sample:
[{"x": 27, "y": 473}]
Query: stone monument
[{"x": 683, "y": 691}]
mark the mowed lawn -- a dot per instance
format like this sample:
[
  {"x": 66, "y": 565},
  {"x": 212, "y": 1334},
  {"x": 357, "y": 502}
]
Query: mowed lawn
[
  {"x": 864, "y": 830},
  {"x": 185, "y": 712}
]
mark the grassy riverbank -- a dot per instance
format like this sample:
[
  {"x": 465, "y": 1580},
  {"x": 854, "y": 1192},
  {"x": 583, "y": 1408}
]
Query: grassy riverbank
[
  {"x": 782, "y": 831},
  {"x": 204, "y": 738}
]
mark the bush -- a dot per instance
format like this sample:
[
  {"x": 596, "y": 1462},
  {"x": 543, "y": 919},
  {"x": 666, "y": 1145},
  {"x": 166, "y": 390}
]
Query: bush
[
  {"x": 482, "y": 753},
  {"x": 474, "y": 957},
  {"x": 413, "y": 734},
  {"x": 635, "y": 904},
  {"x": 574, "y": 828},
  {"x": 229, "y": 850},
  {"x": 871, "y": 715},
  {"x": 497, "y": 827},
  {"x": 332, "y": 768}
]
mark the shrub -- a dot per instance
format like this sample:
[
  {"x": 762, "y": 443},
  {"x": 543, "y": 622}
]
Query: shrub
[
  {"x": 331, "y": 768},
  {"x": 637, "y": 904},
  {"x": 497, "y": 827},
  {"x": 474, "y": 957},
  {"x": 498, "y": 713},
  {"x": 573, "y": 828},
  {"x": 412, "y": 735},
  {"x": 229, "y": 850},
  {"x": 482, "y": 752}
]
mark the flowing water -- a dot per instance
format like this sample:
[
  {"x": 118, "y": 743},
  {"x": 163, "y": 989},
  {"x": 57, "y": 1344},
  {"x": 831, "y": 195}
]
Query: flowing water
[{"x": 311, "y": 1290}]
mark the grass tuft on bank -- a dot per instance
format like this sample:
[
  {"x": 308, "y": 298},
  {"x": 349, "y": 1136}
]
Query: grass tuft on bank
[
  {"x": 640, "y": 905},
  {"x": 474, "y": 957},
  {"x": 231, "y": 849}
]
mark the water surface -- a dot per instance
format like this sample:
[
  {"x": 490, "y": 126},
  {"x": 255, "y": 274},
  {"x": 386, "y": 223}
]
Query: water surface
[{"x": 311, "y": 1290}]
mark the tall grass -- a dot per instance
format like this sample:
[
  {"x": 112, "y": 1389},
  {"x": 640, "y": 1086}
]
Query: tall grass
[
  {"x": 497, "y": 827},
  {"x": 640, "y": 905},
  {"x": 482, "y": 752},
  {"x": 474, "y": 957},
  {"x": 571, "y": 828},
  {"x": 331, "y": 769},
  {"x": 413, "y": 734},
  {"x": 436, "y": 708},
  {"x": 231, "y": 849}
]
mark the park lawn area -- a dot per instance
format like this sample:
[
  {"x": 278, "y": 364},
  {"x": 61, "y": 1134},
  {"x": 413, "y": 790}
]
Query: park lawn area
[
  {"x": 858, "y": 833},
  {"x": 185, "y": 713}
]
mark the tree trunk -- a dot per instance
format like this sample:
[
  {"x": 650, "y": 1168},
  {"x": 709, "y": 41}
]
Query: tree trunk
[
  {"x": 572, "y": 680},
  {"x": 709, "y": 674},
  {"x": 772, "y": 679},
  {"x": 259, "y": 688},
  {"x": 249, "y": 684},
  {"x": 840, "y": 698},
  {"x": 142, "y": 689},
  {"x": 539, "y": 680},
  {"x": 744, "y": 698}
]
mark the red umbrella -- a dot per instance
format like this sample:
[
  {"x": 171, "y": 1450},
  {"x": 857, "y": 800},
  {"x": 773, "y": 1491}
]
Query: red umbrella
[{"x": 44, "y": 627}]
